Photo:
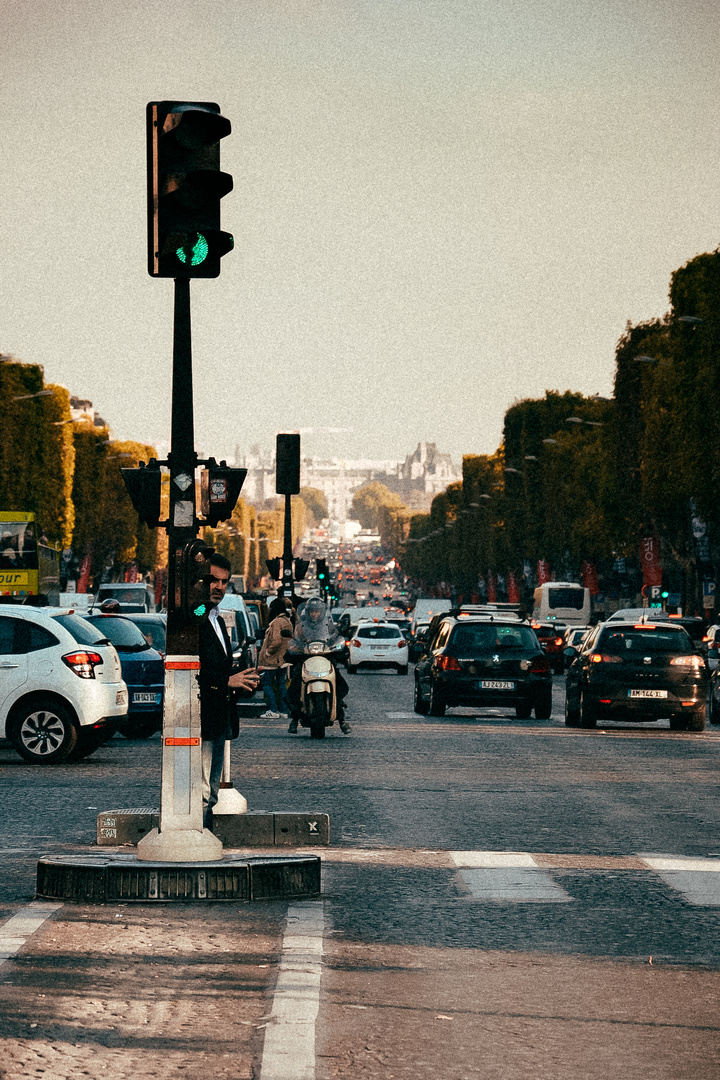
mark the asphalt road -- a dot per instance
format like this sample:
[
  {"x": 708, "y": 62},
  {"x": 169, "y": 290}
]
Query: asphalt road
[{"x": 574, "y": 951}]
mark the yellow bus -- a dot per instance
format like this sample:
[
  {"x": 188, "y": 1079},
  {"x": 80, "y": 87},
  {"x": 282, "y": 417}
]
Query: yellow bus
[{"x": 27, "y": 567}]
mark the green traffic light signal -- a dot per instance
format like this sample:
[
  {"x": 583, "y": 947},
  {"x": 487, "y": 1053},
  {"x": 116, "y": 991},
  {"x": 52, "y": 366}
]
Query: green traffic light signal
[
  {"x": 195, "y": 254},
  {"x": 664, "y": 594}
]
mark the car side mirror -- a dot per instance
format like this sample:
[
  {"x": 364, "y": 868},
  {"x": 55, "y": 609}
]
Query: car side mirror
[{"x": 571, "y": 652}]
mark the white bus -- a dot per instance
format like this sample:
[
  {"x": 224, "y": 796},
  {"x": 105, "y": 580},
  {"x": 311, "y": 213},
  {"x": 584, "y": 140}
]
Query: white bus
[{"x": 564, "y": 601}]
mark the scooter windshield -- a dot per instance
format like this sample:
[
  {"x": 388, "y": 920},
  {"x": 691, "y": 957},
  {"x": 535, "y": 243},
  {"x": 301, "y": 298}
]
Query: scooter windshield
[{"x": 315, "y": 624}]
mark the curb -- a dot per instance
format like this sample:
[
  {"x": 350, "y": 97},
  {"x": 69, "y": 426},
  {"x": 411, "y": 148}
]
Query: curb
[{"x": 102, "y": 878}]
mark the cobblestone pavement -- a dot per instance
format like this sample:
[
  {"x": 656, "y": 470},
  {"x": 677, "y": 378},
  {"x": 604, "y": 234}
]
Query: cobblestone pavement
[{"x": 578, "y": 952}]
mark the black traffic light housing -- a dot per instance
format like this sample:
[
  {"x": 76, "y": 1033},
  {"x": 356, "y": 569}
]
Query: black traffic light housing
[
  {"x": 301, "y": 568},
  {"x": 287, "y": 464},
  {"x": 143, "y": 486},
  {"x": 321, "y": 571},
  {"x": 192, "y": 579},
  {"x": 220, "y": 488},
  {"x": 185, "y": 186},
  {"x": 273, "y": 566}
]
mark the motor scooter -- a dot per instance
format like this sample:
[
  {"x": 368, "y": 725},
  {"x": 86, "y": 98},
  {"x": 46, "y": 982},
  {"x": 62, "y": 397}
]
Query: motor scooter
[{"x": 318, "y": 687}]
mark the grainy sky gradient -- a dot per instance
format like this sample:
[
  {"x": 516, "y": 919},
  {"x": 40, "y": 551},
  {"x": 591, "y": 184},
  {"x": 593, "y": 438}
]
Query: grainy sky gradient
[{"x": 440, "y": 206}]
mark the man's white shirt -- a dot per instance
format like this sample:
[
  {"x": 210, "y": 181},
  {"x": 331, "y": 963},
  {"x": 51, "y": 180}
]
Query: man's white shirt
[{"x": 214, "y": 620}]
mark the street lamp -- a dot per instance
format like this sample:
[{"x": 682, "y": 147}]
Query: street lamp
[
  {"x": 26, "y": 397},
  {"x": 693, "y": 320},
  {"x": 530, "y": 457},
  {"x": 550, "y": 442}
]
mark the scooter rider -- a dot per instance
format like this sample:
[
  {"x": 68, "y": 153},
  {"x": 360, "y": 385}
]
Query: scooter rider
[{"x": 313, "y": 624}]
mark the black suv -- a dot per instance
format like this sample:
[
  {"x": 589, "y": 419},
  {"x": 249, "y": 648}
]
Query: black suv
[
  {"x": 485, "y": 662},
  {"x": 638, "y": 672}
]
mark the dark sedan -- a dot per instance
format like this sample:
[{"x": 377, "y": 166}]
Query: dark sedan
[
  {"x": 142, "y": 669},
  {"x": 638, "y": 672},
  {"x": 483, "y": 662}
]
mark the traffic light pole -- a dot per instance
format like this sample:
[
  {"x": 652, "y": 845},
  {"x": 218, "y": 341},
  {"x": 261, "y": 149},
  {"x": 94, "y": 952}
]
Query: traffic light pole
[
  {"x": 287, "y": 581},
  {"x": 181, "y": 836}
]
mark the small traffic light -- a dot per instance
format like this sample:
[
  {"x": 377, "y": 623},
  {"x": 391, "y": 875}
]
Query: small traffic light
[
  {"x": 287, "y": 464},
  {"x": 273, "y": 566},
  {"x": 185, "y": 186},
  {"x": 321, "y": 570},
  {"x": 301, "y": 568},
  {"x": 143, "y": 487},
  {"x": 219, "y": 490},
  {"x": 193, "y": 578}
]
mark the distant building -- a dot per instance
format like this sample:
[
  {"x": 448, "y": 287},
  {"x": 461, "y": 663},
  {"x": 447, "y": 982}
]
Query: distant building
[
  {"x": 82, "y": 409},
  {"x": 417, "y": 480}
]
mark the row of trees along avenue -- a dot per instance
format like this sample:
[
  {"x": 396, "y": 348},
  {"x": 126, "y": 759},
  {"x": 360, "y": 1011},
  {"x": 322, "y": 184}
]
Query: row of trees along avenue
[
  {"x": 580, "y": 486},
  {"x": 67, "y": 472}
]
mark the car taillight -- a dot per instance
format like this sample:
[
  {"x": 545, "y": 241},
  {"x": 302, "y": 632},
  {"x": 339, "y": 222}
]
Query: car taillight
[
  {"x": 695, "y": 662},
  {"x": 447, "y": 663},
  {"x": 605, "y": 658},
  {"x": 401, "y": 644},
  {"x": 558, "y": 641},
  {"x": 539, "y": 665},
  {"x": 83, "y": 663},
  {"x": 357, "y": 644}
]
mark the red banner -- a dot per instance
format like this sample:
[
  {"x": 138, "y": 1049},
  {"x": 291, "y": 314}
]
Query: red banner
[
  {"x": 543, "y": 571},
  {"x": 512, "y": 589},
  {"x": 159, "y": 585},
  {"x": 131, "y": 574},
  {"x": 650, "y": 561},
  {"x": 84, "y": 578},
  {"x": 492, "y": 588},
  {"x": 589, "y": 578}
]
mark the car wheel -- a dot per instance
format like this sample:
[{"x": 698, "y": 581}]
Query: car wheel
[
  {"x": 421, "y": 707},
  {"x": 402, "y": 669},
  {"x": 89, "y": 740},
  {"x": 697, "y": 720},
  {"x": 713, "y": 711},
  {"x": 588, "y": 712},
  {"x": 523, "y": 710},
  {"x": 44, "y": 732},
  {"x": 543, "y": 704},
  {"x": 572, "y": 716},
  {"x": 437, "y": 702}
]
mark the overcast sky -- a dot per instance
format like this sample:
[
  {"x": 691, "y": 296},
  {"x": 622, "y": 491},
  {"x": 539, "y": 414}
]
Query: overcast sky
[{"x": 440, "y": 206}]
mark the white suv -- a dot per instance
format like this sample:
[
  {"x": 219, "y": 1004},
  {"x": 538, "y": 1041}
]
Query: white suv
[
  {"x": 61, "y": 685},
  {"x": 377, "y": 644}
]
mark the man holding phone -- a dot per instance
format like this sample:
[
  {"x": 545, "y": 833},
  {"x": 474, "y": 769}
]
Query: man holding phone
[{"x": 216, "y": 680}]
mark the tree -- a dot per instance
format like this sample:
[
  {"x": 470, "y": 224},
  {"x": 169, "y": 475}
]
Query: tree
[
  {"x": 366, "y": 501},
  {"x": 315, "y": 502}
]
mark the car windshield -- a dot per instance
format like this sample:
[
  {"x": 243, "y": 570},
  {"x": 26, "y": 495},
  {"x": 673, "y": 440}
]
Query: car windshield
[
  {"x": 125, "y": 635},
  {"x": 480, "y": 639},
  {"x": 653, "y": 641},
  {"x": 378, "y": 632},
  {"x": 82, "y": 631}
]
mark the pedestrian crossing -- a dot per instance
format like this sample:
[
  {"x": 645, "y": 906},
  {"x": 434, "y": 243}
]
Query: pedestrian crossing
[{"x": 523, "y": 877}]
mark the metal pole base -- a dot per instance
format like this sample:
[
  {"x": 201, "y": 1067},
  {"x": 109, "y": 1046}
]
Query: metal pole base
[{"x": 180, "y": 845}]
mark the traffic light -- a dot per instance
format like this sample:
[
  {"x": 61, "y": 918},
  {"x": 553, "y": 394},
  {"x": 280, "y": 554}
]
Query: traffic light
[
  {"x": 219, "y": 490},
  {"x": 273, "y": 566},
  {"x": 287, "y": 464},
  {"x": 185, "y": 186},
  {"x": 192, "y": 579},
  {"x": 301, "y": 568},
  {"x": 143, "y": 487},
  {"x": 321, "y": 571}
]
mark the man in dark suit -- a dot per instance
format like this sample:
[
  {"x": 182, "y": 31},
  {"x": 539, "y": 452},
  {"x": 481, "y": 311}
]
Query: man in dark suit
[{"x": 216, "y": 679}]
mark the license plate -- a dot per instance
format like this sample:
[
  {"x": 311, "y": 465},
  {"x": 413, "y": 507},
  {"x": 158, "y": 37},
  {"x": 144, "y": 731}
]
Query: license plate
[
  {"x": 146, "y": 699},
  {"x": 647, "y": 693},
  {"x": 495, "y": 684}
]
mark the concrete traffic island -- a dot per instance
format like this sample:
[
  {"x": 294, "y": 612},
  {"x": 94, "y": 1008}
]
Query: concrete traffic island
[{"x": 108, "y": 877}]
